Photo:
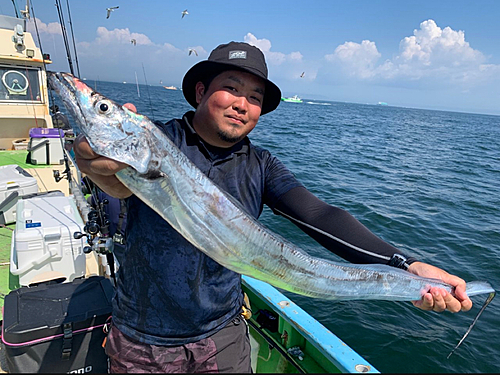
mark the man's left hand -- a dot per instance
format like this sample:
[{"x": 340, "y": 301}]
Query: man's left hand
[{"x": 438, "y": 299}]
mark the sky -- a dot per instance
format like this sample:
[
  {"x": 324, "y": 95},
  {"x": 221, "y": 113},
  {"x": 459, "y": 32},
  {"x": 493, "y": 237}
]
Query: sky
[{"x": 429, "y": 54}]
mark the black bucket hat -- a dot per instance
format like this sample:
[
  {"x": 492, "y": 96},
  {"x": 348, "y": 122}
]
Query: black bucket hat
[{"x": 232, "y": 56}]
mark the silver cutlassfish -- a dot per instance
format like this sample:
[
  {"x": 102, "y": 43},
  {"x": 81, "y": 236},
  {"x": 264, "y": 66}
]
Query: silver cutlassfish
[{"x": 213, "y": 221}]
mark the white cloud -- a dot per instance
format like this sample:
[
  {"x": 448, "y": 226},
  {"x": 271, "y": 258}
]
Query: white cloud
[
  {"x": 430, "y": 56},
  {"x": 360, "y": 58},
  {"x": 53, "y": 28},
  {"x": 272, "y": 58},
  {"x": 432, "y": 46},
  {"x": 105, "y": 36},
  {"x": 290, "y": 65}
]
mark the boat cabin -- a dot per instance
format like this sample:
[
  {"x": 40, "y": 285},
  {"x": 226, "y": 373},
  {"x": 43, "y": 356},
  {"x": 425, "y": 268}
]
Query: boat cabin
[{"x": 24, "y": 101}]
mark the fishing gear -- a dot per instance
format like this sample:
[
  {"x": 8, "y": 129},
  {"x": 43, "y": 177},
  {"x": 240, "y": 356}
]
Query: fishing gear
[
  {"x": 149, "y": 96},
  {"x": 96, "y": 229},
  {"x": 73, "y": 37},
  {"x": 486, "y": 303},
  {"x": 64, "y": 35},
  {"x": 273, "y": 345}
]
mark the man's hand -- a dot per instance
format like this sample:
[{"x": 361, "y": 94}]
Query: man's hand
[
  {"x": 99, "y": 169},
  {"x": 438, "y": 299}
]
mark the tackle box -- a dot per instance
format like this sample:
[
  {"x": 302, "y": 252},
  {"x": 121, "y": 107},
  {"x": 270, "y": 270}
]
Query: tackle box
[
  {"x": 46, "y": 146},
  {"x": 57, "y": 328},
  {"x": 43, "y": 244},
  {"x": 14, "y": 183}
]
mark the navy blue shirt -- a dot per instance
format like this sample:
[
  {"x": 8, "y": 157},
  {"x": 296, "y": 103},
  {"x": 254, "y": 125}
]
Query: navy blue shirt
[{"x": 168, "y": 292}]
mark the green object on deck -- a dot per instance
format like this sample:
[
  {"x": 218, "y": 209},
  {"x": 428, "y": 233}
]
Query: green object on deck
[
  {"x": 8, "y": 282},
  {"x": 19, "y": 157}
]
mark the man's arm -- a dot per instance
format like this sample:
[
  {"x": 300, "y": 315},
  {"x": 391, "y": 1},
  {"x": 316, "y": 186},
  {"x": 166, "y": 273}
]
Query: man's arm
[{"x": 351, "y": 240}]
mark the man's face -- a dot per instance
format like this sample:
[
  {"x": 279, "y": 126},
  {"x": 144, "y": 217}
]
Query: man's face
[{"x": 230, "y": 108}]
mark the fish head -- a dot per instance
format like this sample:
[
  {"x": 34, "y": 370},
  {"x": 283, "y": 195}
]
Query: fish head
[{"x": 111, "y": 130}]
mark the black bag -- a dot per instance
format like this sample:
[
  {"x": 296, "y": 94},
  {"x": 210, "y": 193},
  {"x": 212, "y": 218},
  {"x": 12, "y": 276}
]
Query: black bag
[{"x": 57, "y": 328}]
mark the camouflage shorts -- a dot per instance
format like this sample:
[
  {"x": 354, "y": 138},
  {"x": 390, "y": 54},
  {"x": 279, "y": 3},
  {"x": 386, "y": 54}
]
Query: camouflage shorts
[{"x": 227, "y": 351}]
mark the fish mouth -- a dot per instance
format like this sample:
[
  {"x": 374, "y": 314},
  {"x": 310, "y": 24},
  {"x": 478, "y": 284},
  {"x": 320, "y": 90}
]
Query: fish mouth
[
  {"x": 104, "y": 133},
  {"x": 62, "y": 83},
  {"x": 64, "y": 78},
  {"x": 67, "y": 86}
]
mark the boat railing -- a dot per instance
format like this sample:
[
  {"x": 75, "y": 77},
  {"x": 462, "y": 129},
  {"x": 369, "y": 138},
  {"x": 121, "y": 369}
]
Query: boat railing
[{"x": 329, "y": 348}]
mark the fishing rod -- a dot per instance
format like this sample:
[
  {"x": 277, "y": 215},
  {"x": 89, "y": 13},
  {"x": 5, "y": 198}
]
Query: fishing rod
[
  {"x": 96, "y": 228},
  {"x": 273, "y": 345},
  {"x": 41, "y": 49},
  {"x": 137, "y": 84},
  {"x": 149, "y": 96},
  {"x": 73, "y": 38},
  {"x": 65, "y": 36},
  {"x": 15, "y": 8}
]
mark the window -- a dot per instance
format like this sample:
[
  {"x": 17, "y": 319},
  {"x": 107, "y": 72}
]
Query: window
[{"x": 19, "y": 84}]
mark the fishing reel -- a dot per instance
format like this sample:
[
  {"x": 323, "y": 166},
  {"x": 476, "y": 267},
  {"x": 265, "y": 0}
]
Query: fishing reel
[
  {"x": 58, "y": 176},
  {"x": 97, "y": 231}
]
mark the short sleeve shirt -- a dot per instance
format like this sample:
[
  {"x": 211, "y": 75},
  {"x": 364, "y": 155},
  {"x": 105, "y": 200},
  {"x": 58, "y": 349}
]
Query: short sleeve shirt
[{"x": 168, "y": 292}]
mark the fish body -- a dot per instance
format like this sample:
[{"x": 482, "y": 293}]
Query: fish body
[{"x": 212, "y": 220}]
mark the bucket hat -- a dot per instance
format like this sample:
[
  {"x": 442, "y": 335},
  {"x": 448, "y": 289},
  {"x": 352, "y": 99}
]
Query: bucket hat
[{"x": 232, "y": 56}]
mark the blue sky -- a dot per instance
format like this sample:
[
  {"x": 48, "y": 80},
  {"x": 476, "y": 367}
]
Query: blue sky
[{"x": 422, "y": 54}]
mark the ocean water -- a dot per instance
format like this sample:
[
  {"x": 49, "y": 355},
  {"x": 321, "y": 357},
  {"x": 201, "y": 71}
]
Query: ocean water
[{"x": 427, "y": 182}]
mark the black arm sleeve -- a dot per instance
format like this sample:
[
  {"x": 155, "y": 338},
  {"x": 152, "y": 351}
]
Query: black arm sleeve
[{"x": 353, "y": 241}]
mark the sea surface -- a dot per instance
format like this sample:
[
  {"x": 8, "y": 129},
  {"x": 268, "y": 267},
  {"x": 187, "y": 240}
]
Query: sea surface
[{"x": 427, "y": 182}]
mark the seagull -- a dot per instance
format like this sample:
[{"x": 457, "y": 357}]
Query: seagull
[
  {"x": 184, "y": 12},
  {"x": 133, "y": 41},
  {"x": 192, "y": 50},
  {"x": 302, "y": 75},
  {"x": 110, "y": 10}
]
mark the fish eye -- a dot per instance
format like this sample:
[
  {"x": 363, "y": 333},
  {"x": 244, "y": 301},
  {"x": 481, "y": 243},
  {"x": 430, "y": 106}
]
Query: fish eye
[{"x": 104, "y": 106}]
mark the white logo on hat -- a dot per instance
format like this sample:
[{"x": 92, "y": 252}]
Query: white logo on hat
[{"x": 237, "y": 55}]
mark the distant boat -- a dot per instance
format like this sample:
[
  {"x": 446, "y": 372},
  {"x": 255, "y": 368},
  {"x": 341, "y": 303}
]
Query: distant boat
[
  {"x": 292, "y": 99},
  {"x": 170, "y": 87},
  {"x": 382, "y": 103}
]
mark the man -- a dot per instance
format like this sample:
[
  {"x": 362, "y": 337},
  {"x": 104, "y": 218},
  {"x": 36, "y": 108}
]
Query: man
[{"x": 176, "y": 310}]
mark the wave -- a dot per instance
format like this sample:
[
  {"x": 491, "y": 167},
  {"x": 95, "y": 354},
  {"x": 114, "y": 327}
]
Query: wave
[{"x": 318, "y": 103}]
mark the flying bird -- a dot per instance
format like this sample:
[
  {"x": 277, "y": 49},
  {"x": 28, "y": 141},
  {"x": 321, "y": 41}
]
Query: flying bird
[
  {"x": 184, "y": 12},
  {"x": 133, "y": 41},
  {"x": 110, "y": 10},
  {"x": 192, "y": 50},
  {"x": 302, "y": 75}
]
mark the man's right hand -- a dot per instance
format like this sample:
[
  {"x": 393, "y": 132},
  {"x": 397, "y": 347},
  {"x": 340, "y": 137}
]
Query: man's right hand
[{"x": 99, "y": 169}]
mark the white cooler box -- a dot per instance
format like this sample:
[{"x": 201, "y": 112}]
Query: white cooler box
[
  {"x": 43, "y": 247},
  {"x": 46, "y": 146},
  {"x": 14, "y": 183}
]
